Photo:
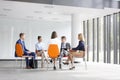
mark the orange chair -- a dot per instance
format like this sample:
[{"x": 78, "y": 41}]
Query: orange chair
[
  {"x": 84, "y": 59},
  {"x": 53, "y": 52},
  {"x": 19, "y": 50},
  {"x": 19, "y": 53}
]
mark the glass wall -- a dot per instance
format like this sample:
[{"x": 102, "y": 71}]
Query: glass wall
[
  {"x": 11, "y": 27},
  {"x": 102, "y": 37}
]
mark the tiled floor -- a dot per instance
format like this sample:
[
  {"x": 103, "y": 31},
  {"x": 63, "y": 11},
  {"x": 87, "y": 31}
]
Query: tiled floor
[{"x": 95, "y": 71}]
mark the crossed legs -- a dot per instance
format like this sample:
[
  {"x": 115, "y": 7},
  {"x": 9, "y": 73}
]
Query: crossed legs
[
  {"x": 43, "y": 57},
  {"x": 71, "y": 56}
]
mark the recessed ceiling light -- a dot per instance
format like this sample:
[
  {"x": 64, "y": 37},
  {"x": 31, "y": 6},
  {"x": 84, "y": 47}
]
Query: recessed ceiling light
[
  {"x": 6, "y": 9},
  {"x": 49, "y": 6},
  {"x": 29, "y": 16},
  {"x": 49, "y": 12},
  {"x": 37, "y": 11},
  {"x": 3, "y": 15},
  {"x": 55, "y": 18},
  {"x": 40, "y": 18}
]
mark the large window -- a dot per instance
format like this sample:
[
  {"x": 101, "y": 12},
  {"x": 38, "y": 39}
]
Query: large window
[{"x": 102, "y": 37}]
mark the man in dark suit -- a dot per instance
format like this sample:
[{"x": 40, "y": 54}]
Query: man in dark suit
[
  {"x": 65, "y": 47},
  {"x": 26, "y": 51}
]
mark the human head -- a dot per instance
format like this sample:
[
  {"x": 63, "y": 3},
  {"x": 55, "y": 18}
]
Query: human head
[
  {"x": 39, "y": 38},
  {"x": 22, "y": 36},
  {"x": 80, "y": 37},
  {"x": 63, "y": 39},
  {"x": 54, "y": 35}
]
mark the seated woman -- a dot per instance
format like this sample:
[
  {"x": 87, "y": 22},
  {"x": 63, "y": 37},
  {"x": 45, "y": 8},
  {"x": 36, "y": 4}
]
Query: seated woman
[
  {"x": 78, "y": 52},
  {"x": 54, "y": 40}
]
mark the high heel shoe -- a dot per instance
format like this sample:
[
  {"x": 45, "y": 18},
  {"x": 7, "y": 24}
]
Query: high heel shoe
[
  {"x": 72, "y": 68},
  {"x": 65, "y": 63}
]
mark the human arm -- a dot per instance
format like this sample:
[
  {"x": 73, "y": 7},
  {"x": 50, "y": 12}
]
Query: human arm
[{"x": 80, "y": 46}]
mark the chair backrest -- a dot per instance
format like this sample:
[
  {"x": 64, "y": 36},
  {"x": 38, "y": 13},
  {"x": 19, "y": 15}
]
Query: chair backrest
[
  {"x": 83, "y": 54},
  {"x": 53, "y": 51},
  {"x": 86, "y": 48},
  {"x": 19, "y": 50}
]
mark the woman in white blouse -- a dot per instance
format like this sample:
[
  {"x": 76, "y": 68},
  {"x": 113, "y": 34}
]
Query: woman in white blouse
[{"x": 54, "y": 40}]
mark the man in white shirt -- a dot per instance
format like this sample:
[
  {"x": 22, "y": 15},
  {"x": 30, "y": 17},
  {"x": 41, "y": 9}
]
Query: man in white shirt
[
  {"x": 40, "y": 50},
  {"x": 39, "y": 46}
]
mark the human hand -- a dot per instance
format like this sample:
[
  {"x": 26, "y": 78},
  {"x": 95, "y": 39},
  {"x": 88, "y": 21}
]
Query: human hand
[{"x": 29, "y": 52}]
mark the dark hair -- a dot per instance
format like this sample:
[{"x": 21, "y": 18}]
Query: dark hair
[
  {"x": 63, "y": 37},
  {"x": 39, "y": 37},
  {"x": 54, "y": 35},
  {"x": 21, "y": 34}
]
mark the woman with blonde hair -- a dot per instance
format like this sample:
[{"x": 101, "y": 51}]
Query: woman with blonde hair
[{"x": 78, "y": 52}]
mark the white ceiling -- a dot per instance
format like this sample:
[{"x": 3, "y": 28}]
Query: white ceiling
[{"x": 35, "y": 11}]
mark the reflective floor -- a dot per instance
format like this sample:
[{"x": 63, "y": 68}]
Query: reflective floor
[{"x": 95, "y": 71}]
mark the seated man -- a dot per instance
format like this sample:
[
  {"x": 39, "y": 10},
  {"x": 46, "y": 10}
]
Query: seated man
[
  {"x": 65, "y": 47},
  {"x": 26, "y": 51},
  {"x": 40, "y": 49}
]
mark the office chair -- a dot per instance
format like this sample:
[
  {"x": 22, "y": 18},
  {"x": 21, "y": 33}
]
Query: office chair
[
  {"x": 19, "y": 54},
  {"x": 53, "y": 52},
  {"x": 85, "y": 52}
]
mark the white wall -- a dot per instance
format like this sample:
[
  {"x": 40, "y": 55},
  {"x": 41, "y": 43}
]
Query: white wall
[{"x": 10, "y": 29}]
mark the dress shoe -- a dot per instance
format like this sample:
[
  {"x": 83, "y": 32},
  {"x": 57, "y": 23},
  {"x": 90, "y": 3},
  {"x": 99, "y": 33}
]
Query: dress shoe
[
  {"x": 72, "y": 68},
  {"x": 65, "y": 63},
  {"x": 28, "y": 67},
  {"x": 54, "y": 68}
]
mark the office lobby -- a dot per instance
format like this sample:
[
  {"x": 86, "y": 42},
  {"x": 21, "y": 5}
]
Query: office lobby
[{"x": 97, "y": 20}]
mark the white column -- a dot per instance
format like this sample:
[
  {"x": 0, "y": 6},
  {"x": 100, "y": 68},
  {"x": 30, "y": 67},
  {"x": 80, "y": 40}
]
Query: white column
[{"x": 76, "y": 28}]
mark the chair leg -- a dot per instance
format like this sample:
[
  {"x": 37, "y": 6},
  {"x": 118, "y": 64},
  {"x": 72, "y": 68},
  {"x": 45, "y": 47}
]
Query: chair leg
[
  {"x": 42, "y": 61},
  {"x": 85, "y": 63},
  {"x": 21, "y": 65},
  {"x": 47, "y": 64},
  {"x": 15, "y": 63}
]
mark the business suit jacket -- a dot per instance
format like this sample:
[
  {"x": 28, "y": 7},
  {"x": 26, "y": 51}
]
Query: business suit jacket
[
  {"x": 67, "y": 45},
  {"x": 23, "y": 46}
]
